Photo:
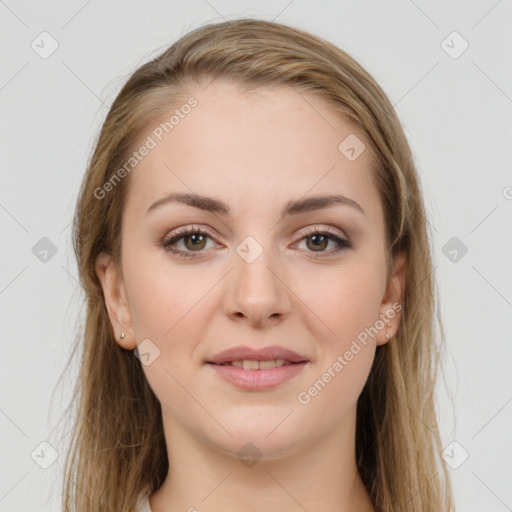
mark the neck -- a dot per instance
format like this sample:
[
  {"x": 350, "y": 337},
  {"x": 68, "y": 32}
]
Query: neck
[{"x": 321, "y": 476}]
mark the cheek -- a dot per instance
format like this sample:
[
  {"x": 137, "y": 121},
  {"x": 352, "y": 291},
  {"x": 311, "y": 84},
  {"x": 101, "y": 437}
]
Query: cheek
[
  {"x": 350, "y": 307},
  {"x": 344, "y": 302},
  {"x": 334, "y": 393},
  {"x": 168, "y": 307},
  {"x": 163, "y": 297}
]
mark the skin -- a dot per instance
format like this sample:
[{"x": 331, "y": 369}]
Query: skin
[{"x": 255, "y": 151}]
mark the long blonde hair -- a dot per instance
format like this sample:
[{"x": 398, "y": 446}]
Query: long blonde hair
[{"x": 117, "y": 454}]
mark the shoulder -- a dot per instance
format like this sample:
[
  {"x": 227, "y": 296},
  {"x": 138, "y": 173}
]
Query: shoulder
[{"x": 144, "y": 505}]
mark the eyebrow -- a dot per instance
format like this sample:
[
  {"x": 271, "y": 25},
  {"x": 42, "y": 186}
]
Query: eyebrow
[{"x": 293, "y": 207}]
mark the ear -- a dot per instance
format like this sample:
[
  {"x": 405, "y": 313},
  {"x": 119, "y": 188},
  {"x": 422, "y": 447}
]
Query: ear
[
  {"x": 392, "y": 302},
  {"x": 116, "y": 303}
]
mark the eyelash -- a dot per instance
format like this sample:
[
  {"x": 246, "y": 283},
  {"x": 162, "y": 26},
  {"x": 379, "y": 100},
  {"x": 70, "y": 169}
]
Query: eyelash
[{"x": 168, "y": 242}]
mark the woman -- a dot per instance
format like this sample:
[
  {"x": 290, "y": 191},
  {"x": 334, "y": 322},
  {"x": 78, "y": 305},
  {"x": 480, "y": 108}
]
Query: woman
[{"x": 260, "y": 333}]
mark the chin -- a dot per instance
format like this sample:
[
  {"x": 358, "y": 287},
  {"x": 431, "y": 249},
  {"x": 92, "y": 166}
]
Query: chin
[
  {"x": 269, "y": 436},
  {"x": 250, "y": 449}
]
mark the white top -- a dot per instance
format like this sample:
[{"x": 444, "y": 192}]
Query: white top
[{"x": 144, "y": 505}]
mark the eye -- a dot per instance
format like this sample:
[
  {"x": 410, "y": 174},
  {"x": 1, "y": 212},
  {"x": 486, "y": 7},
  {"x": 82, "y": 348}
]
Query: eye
[
  {"x": 193, "y": 238},
  {"x": 317, "y": 240}
]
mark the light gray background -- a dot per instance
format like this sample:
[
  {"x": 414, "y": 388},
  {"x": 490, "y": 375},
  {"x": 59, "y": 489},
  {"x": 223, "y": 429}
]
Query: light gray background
[{"x": 457, "y": 113}]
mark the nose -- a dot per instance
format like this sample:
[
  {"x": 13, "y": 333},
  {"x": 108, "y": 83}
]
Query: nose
[{"x": 256, "y": 291}]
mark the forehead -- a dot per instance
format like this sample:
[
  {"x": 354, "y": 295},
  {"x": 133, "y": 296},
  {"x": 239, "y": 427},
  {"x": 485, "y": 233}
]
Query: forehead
[{"x": 272, "y": 143}]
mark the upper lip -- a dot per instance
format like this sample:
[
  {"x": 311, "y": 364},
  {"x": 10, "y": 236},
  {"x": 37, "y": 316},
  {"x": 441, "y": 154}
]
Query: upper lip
[{"x": 263, "y": 354}]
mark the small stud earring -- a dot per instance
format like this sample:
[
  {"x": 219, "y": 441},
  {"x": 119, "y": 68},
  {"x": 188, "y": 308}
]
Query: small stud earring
[
  {"x": 122, "y": 336},
  {"x": 387, "y": 335}
]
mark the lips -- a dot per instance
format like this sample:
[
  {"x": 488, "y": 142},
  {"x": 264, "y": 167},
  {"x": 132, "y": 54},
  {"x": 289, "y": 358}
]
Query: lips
[
  {"x": 257, "y": 370},
  {"x": 246, "y": 357}
]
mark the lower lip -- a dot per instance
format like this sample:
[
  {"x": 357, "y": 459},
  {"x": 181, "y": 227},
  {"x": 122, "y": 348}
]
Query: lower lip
[{"x": 257, "y": 380}]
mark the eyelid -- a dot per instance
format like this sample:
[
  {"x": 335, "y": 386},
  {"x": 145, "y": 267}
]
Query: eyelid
[
  {"x": 335, "y": 234},
  {"x": 185, "y": 230},
  {"x": 177, "y": 234},
  {"x": 324, "y": 228}
]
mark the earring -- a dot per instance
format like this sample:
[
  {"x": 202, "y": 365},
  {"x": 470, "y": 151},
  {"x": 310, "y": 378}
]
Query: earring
[
  {"x": 122, "y": 336},
  {"x": 387, "y": 325}
]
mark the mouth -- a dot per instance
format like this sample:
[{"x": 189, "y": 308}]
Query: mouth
[
  {"x": 247, "y": 357},
  {"x": 248, "y": 364},
  {"x": 257, "y": 370}
]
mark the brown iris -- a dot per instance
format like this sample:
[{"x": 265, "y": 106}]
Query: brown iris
[
  {"x": 198, "y": 241},
  {"x": 323, "y": 241}
]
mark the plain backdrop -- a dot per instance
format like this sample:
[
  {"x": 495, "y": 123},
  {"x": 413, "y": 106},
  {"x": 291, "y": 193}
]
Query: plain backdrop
[{"x": 446, "y": 68}]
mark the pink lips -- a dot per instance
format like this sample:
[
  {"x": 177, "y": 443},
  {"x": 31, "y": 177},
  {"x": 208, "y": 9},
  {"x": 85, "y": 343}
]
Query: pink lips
[
  {"x": 262, "y": 354},
  {"x": 256, "y": 380}
]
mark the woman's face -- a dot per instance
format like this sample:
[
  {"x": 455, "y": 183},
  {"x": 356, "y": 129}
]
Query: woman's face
[{"x": 252, "y": 277}]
